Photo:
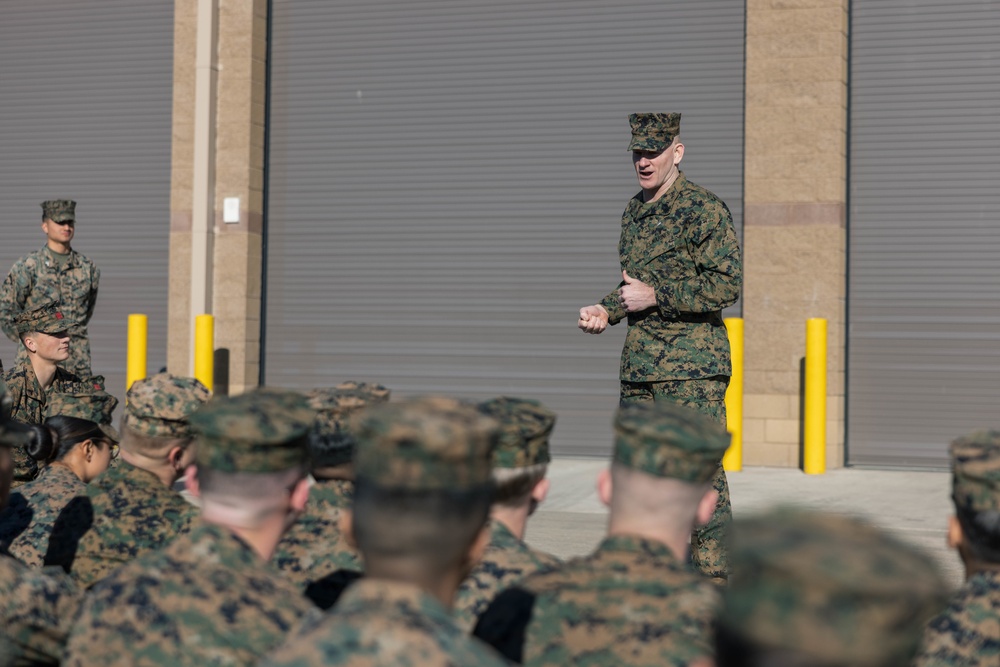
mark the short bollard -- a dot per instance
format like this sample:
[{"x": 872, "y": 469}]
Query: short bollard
[
  {"x": 204, "y": 350},
  {"x": 138, "y": 345},
  {"x": 733, "y": 459},
  {"x": 814, "y": 428}
]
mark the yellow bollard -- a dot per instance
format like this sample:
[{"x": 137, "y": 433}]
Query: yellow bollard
[
  {"x": 814, "y": 429},
  {"x": 204, "y": 349},
  {"x": 138, "y": 344},
  {"x": 733, "y": 460}
]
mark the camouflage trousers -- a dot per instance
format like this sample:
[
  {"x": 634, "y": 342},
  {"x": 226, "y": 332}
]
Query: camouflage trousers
[
  {"x": 78, "y": 362},
  {"x": 708, "y": 396}
]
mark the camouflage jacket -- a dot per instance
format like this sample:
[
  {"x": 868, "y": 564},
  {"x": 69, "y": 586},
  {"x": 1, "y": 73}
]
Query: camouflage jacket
[
  {"x": 35, "y": 610},
  {"x": 631, "y": 602},
  {"x": 506, "y": 560},
  {"x": 129, "y": 512},
  {"x": 29, "y": 407},
  {"x": 384, "y": 623},
  {"x": 207, "y": 599},
  {"x": 314, "y": 546},
  {"x": 684, "y": 246},
  {"x": 967, "y": 633},
  {"x": 28, "y": 521}
]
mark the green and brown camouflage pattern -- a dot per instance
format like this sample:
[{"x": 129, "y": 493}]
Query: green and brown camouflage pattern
[
  {"x": 94, "y": 406},
  {"x": 46, "y": 319},
  {"x": 38, "y": 279},
  {"x": 506, "y": 561},
  {"x": 975, "y": 460},
  {"x": 425, "y": 443},
  {"x": 333, "y": 443},
  {"x": 967, "y": 633},
  {"x": 525, "y": 428},
  {"x": 206, "y": 599},
  {"x": 684, "y": 246},
  {"x": 128, "y": 512},
  {"x": 653, "y": 131},
  {"x": 59, "y": 210},
  {"x": 383, "y": 623},
  {"x": 372, "y": 392},
  {"x": 829, "y": 588},
  {"x": 263, "y": 430},
  {"x": 631, "y": 602},
  {"x": 27, "y": 524},
  {"x": 36, "y": 609},
  {"x": 12, "y": 434},
  {"x": 666, "y": 439},
  {"x": 161, "y": 405}
]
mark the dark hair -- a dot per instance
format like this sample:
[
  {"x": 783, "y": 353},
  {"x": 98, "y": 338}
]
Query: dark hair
[
  {"x": 55, "y": 438},
  {"x": 982, "y": 532},
  {"x": 328, "y": 448}
]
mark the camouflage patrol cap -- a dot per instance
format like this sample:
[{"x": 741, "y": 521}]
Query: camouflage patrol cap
[
  {"x": 653, "y": 131},
  {"x": 46, "y": 319},
  {"x": 263, "y": 430},
  {"x": 668, "y": 440},
  {"x": 59, "y": 210},
  {"x": 829, "y": 588},
  {"x": 332, "y": 441},
  {"x": 975, "y": 460},
  {"x": 12, "y": 433},
  {"x": 94, "y": 406},
  {"x": 525, "y": 427},
  {"x": 160, "y": 405},
  {"x": 428, "y": 443}
]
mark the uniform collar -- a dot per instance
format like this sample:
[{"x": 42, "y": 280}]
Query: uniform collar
[
  {"x": 639, "y": 546},
  {"x": 640, "y": 208},
  {"x": 395, "y": 594}
]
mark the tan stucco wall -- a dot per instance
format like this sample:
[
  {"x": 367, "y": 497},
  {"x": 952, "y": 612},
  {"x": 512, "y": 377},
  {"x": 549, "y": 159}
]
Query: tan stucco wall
[
  {"x": 239, "y": 169},
  {"x": 794, "y": 218}
]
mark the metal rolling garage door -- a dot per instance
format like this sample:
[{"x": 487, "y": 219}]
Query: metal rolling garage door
[
  {"x": 446, "y": 180},
  {"x": 85, "y": 104},
  {"x": 924, "y": 290}
]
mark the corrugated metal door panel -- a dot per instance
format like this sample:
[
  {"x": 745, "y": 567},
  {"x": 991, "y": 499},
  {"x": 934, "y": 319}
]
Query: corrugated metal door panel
[
  {"x": 446, "y": 181},
  {"x": 85, "y": 114},
  {"x": 924, "y": 294}
]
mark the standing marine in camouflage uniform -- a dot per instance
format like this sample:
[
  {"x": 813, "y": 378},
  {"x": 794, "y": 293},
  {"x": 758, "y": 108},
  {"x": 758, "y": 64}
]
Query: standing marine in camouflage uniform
[
  {"x": 76, "y": 444},
  {"x": 316, "y": 547},
  {"x": 44, "y": 332},
  {"x": 812, "y": 589},
  {"x": 211, "y": 597},
  {"x": 520, "y": 462},
  {"x": 131, "y": 508},
  {"x": 59, "y": 274},
  {"x": 681, "y": 266},
  {"x": 35, "y": 607},
  {"x": 421, "y": 501},
  {"x": 967, "y": 633},
  {"x": 635, "y": 600}
]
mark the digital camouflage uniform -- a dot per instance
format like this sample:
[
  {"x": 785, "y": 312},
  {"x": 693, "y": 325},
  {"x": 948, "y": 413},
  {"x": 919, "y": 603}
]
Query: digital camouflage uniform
[
  {"x": 35, "y": 607},
  {"x": 315, "y": 547},
  {"x": 38, "y": 279},
  {"x": 684, "y": 246},
  {"x": 814, "y": 588},
  {"x": 525, "y": 428},
  {"x": 632, "y": 601},
  {"x": 209, "y": 597},
  {"x": 27, "y": 524},
  {"x": 28, "y": 397},
  {"x": 967, "y": 633},
  {"x": 419, "y": 446},
  {"x": 129, "y": 510}
]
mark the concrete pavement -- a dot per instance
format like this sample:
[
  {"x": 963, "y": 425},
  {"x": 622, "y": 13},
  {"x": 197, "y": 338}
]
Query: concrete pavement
[{"x": 913, "y": 505}]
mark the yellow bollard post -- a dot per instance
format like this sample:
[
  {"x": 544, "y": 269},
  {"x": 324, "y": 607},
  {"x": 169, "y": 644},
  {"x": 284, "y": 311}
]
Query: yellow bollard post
[
  {"x": 814, "y": 429},
  {"x": 204, "y": 349},
  {"x": 138, "y": 344},
  {"x": 733, "y": 460}
]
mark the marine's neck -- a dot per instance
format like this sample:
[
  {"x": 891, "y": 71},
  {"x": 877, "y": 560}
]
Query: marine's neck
[
  {"x": 59, "y": 247},
  {"x": 45, "y": 371}
]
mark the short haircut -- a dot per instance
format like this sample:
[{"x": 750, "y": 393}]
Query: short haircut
[
  {"x": 663, "y": 500},
  {"x": 152, "y": 446},
  {"x": 982, "y": 533},
  {"x": 57, "y": 437},
  {"x": 432, "y": 527},
  {"x": 513, "y": 486},
  {"x": 246, "y": 497}
]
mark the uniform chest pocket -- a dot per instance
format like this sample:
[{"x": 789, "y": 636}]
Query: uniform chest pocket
[{"x": 673, "y": 259}]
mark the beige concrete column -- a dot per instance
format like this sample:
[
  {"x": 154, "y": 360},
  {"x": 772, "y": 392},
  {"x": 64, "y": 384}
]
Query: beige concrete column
[
  {"x": 239, "y": 173},
  {"x": 794, "y": 217}
]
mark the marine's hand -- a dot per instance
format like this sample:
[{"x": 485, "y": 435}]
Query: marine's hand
[
  {"x": 636, "y": 295},
  {"x": 593, "y": 319}
]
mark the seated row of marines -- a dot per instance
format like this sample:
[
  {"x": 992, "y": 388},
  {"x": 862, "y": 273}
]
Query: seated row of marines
[{"x": 337, "y": 527}]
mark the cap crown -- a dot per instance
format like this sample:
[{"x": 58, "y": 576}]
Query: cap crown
[
  {"x": 47, "y": 319},
  {"x": 160, "y": 405},
  {"x": 59, "y": 210},
  {"x": 653, "y": 131},
  {"x": 525, "y": 428},
  {"x": 334, "y": 440},
  {"x": 976, "y": 471},
  {"x": 94, "y": 406}
]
